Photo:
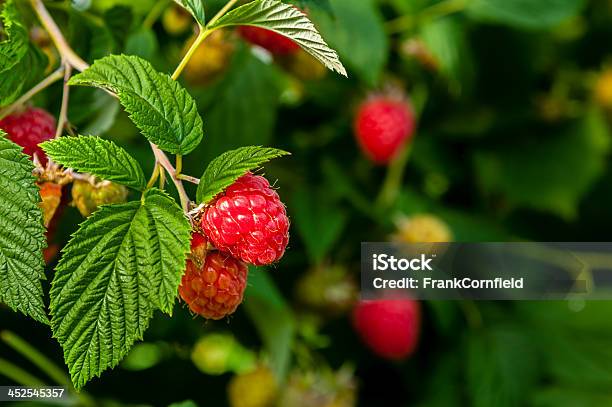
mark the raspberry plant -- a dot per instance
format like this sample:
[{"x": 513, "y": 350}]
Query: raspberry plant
[{"x": 127, "y": 259}]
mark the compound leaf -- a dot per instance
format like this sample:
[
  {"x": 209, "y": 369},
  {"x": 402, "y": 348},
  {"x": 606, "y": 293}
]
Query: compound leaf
[
  {"x": 22, "y": 236},
  {"x": 107, "y": 283},
  {"x": 97, "y": 156},
  {"x": 229, "y": 166},
  {"x": 159, "y": 106},
  {"x": 288, "y": 21}
]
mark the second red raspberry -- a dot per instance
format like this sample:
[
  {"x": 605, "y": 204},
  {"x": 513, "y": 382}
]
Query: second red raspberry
[
  {"x": 213, "y": 284},
  {"x": 249, "y": 221}
]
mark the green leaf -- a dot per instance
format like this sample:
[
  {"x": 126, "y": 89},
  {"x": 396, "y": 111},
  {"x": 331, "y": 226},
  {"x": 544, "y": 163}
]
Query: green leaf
[
  {"x": 534, "y": 173},
  {"x": 167, "y": 243},
  {"x": 273, "y": 319},
  {"x": 229, "y": 166},
  {"x": 123, "y": 262},
  {"x": 286, "y": 20},
  {"x": 22, "y": 236},
  {"x": 97, "y": 156},
  {"x": 356, "y": 30},
  {"x": 196, "y": 8},
  {"x": 23, "y": 75},
  {"x": 161, "y": 108},
  {"x": 14, "y": 47},
  {"x": 528, "y": 14}
]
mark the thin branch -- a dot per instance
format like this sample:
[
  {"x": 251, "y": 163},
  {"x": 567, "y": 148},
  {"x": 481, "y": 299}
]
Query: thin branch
[
  {"x": 179, "y": 165},
  {"x": 63, "y": 116},
  {"x": 49, "y": 80},
  {"x": 154, "y": 176},
  {"x": 188, "y": 178},
  {"x": 192, "y": 49},
  {"x": 57, "y": 37},
  {"x": 204, "y": 32},
  {"x": 71, "y": 58},
  {"x": 163, "y": 160}
]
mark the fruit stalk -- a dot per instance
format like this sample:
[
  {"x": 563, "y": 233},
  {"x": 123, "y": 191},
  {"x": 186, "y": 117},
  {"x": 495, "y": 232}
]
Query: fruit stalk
[
  {"x": 63, "y": 116},
  {"x": 393, "y": 180},
  {"x": 163, "y": 160}
]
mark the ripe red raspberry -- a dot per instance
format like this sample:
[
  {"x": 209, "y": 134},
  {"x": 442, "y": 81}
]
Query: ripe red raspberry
[
  {"x": 389, "y": 327},
  {"x": 249, "y": 221},
  {"x": 382, "y": 126},
  {"x": 275, "y": 43},
  {"x": 30, "y": 128},
  {"x": 213, "y": 285}
]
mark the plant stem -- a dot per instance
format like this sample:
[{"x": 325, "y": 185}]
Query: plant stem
[
  {"x": 179, "y": 165},
  {"x": 188, "y": 178},
  {"x": 393, "y": 180},
  {"x": 433, "y": 12},
  {"x": 63, "y": 116},
  {"x": 163, "y": 160},
  {"x": 18, "y": 375},
  {"x": 70, "y": 57},
  {"x": 204, "y": 32},
  {"x": 192, "y": 49},
  {"x": 154, "y": 176},
  {"x": 162, "y": 179},
  {"x": 56, "y": 36},
  {"x": 175, "y": 174},
  {"x": 54, "y": 77}
]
